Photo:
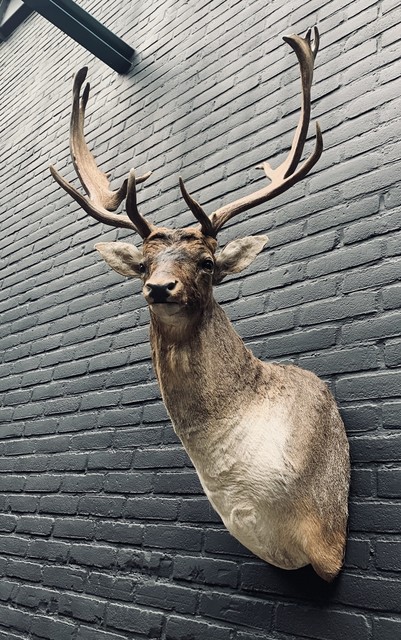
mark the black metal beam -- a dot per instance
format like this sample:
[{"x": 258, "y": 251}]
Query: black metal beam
[
  {"x": 87, "y": 31},
  {"x": 11, "y": 15}
]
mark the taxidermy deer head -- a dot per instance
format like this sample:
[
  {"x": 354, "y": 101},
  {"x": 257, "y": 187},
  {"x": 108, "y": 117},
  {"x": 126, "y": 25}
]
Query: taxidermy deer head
[{"x": 266, "y": 439}]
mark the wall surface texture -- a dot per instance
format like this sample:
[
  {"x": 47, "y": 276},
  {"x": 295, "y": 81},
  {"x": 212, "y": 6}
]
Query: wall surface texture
[{"x": 105, "y": 533}]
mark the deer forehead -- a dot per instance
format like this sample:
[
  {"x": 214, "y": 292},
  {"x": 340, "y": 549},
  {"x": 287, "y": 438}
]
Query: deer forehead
[{"x": 180, "y": 245}]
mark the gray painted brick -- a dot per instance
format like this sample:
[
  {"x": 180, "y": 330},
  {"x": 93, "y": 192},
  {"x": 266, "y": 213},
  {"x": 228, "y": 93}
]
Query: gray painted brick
[
  {"x": 245, "y": 611},
  {"x": 388, "y": 483},
  {"x": 386, "y": 628},
  {"x": 293, "y": 619},
  {"x": 391, "y": 414},
  {"x": 392, "y": 353},
  {"x": 369, "y": 386},
  {"x": 206, "y": 570},
  {"x": 179, "y": 628},
  {"x": 119, "y": 532},
  {"x": 345, "y": 258},
  {"x": 168, "y": 596},
  {"x": 340, "y": 361},
  {"x": 136, "y": 619},
  {"x": 361, "y": 417},
  {"x": 52, "y": 629}
]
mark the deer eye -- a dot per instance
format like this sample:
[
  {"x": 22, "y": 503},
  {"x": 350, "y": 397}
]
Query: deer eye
[{"x": 207, "y": 264}]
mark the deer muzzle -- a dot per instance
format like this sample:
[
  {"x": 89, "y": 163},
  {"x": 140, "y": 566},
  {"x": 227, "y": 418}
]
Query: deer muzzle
[{"x": 158, "y": 293}]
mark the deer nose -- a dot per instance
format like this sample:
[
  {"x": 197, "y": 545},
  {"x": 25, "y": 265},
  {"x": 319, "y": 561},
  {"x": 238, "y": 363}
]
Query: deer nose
[{"x": 159, "y": 292}]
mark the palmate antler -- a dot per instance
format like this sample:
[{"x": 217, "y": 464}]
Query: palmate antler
[
  {"x": 287, "y": 174},
  {"x": 101, "y": 201}
]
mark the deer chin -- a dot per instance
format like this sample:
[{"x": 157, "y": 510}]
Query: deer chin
[{"x": 168, "y": 312}]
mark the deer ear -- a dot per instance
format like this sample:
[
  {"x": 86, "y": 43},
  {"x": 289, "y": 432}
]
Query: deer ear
[
  {"x": 237, "y": 255},
  {"x": 122, "y": 257}
]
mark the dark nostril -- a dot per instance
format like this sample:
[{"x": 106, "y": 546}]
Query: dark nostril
[
  {"x": 160, "y": 292},
  {"x": 171, "y": 285}
]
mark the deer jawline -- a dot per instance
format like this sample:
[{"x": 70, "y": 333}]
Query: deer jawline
[{"x": 164, "y": 310}]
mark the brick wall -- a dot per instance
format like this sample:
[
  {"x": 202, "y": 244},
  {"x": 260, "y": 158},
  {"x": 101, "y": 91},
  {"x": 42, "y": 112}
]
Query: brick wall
[{"x": 104, "y": 531}]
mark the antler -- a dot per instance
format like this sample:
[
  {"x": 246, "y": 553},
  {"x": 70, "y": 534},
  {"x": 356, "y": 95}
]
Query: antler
[
  {"x": 101, "y": 201},
  {"x": 287, "y": 174}
]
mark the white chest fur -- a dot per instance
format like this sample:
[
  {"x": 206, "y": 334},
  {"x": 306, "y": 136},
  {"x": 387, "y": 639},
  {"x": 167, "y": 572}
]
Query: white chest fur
[{"x": 246, "y": 473}]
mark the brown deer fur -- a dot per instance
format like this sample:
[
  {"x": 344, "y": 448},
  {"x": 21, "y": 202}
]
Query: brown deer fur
[{"x": 266, "y": 439}]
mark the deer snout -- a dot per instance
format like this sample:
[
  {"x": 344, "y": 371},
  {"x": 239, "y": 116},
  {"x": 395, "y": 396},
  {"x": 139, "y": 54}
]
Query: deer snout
[{"x": 159, "y": 292}]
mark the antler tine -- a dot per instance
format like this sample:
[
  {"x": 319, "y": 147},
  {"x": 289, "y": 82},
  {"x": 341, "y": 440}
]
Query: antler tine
[
  {"x": 306, "y": 56},
  {"x": 93, "y": 180},
  {"x": 287, "y": 174},
  {"x": 101, "y": 200},
  {"x": 100, "y": 214},
  {"x": 143, "y": 227},
  {"x": 199, "y": 213}
]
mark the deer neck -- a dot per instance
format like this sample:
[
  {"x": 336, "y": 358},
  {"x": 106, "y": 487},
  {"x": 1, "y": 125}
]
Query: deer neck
[{"x": 205, "y": 372}]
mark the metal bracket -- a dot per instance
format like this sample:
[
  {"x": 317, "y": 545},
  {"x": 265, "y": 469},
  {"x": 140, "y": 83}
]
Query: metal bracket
[
  {"x": 12, "y": 14},
  {"x": 87, "y": 31}
]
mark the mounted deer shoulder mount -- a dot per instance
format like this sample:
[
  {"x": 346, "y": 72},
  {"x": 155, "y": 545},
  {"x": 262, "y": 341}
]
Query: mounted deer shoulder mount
[{"x": 267, "y": 440}]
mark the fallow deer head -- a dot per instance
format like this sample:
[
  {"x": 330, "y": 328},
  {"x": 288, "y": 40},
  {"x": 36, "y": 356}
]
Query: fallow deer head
[{"x": 179, "y": 267}]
